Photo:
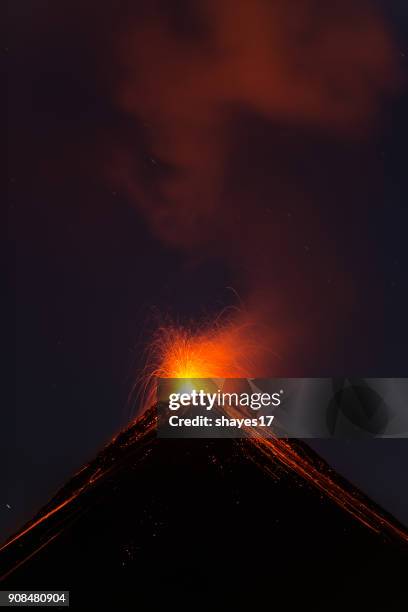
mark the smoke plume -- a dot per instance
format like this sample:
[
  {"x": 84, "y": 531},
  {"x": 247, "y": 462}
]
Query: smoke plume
[{"x": 189, "y": 75}]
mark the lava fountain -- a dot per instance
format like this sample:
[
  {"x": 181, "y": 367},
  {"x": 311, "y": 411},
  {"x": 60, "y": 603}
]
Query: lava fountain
[
  {"x": 238, "y": 349},
  {"x": 231, "y": 349}
]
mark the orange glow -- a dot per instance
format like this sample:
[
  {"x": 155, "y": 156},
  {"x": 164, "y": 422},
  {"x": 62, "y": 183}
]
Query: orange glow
[
  {"x": 229, "y": 351},
  {"x": 178, "y": 352},
  {"x": 207, "y": 354},
  {"x": 233, "y": 352},
  {"x": 236, "y": 347}
]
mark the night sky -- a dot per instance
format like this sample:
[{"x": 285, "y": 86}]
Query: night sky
[{"x": 309, "y": 204}]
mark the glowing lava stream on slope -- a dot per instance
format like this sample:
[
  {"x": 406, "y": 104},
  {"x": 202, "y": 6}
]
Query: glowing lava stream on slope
[{"x": 226, "y": 352}]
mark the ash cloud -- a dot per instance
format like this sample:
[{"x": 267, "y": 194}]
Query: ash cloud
[
  {"x": 327, "y": 65},
  {"x": 254, "y": 115}
]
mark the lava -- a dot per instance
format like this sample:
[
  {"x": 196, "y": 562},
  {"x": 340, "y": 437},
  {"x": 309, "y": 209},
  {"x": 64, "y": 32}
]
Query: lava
[
  {"x": 226, "y": 350},
  {"x": 232, "y": 346},
  {"x": 231, "y": 352}
]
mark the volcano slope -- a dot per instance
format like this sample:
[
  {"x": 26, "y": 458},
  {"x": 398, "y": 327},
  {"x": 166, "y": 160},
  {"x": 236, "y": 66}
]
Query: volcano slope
[{"x": 188, "y": 521}]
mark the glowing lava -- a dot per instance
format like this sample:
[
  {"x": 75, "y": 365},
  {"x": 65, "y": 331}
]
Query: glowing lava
[
  {"x": 229, "y": 351},
  {"x": 235, "y": 351},
  {"x": 221, "y": 352},
  {"x": 228, "y": 348}
]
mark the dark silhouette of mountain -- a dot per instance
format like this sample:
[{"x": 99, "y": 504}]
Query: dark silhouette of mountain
[{"x": 152, "y": 523}]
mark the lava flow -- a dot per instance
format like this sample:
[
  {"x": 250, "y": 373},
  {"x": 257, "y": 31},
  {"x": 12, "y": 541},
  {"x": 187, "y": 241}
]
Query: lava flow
[{"x": 230, "y": 351}]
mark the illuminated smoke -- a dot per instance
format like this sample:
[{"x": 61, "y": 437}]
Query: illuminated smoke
[
  {"x": 311, "y": 64},
  {"x": 314, "y": 66},
  {"x": 323, "y": 64},
  {"x": 187, "y": 78}
]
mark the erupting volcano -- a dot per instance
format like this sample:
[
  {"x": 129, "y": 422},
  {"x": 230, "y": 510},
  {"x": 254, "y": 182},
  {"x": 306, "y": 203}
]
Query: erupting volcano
[
  {"x": 239, "y": 148},
  {"x": 135, "y": 461},
  {"x": 214, "y": 353},
  {"x": 230, "y": 350}
]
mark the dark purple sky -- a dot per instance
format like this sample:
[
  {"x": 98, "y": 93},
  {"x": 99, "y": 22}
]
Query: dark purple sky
[{"x": 91, "y": 275}]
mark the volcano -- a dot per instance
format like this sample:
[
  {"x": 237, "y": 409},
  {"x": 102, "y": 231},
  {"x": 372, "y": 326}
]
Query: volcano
[{"x": 197, "y": 520}]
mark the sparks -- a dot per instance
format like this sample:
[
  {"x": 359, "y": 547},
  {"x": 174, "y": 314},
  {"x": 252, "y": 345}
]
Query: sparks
[
  {"x": 223, "y": 352},
  {"x": 232, "y": 351}
]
